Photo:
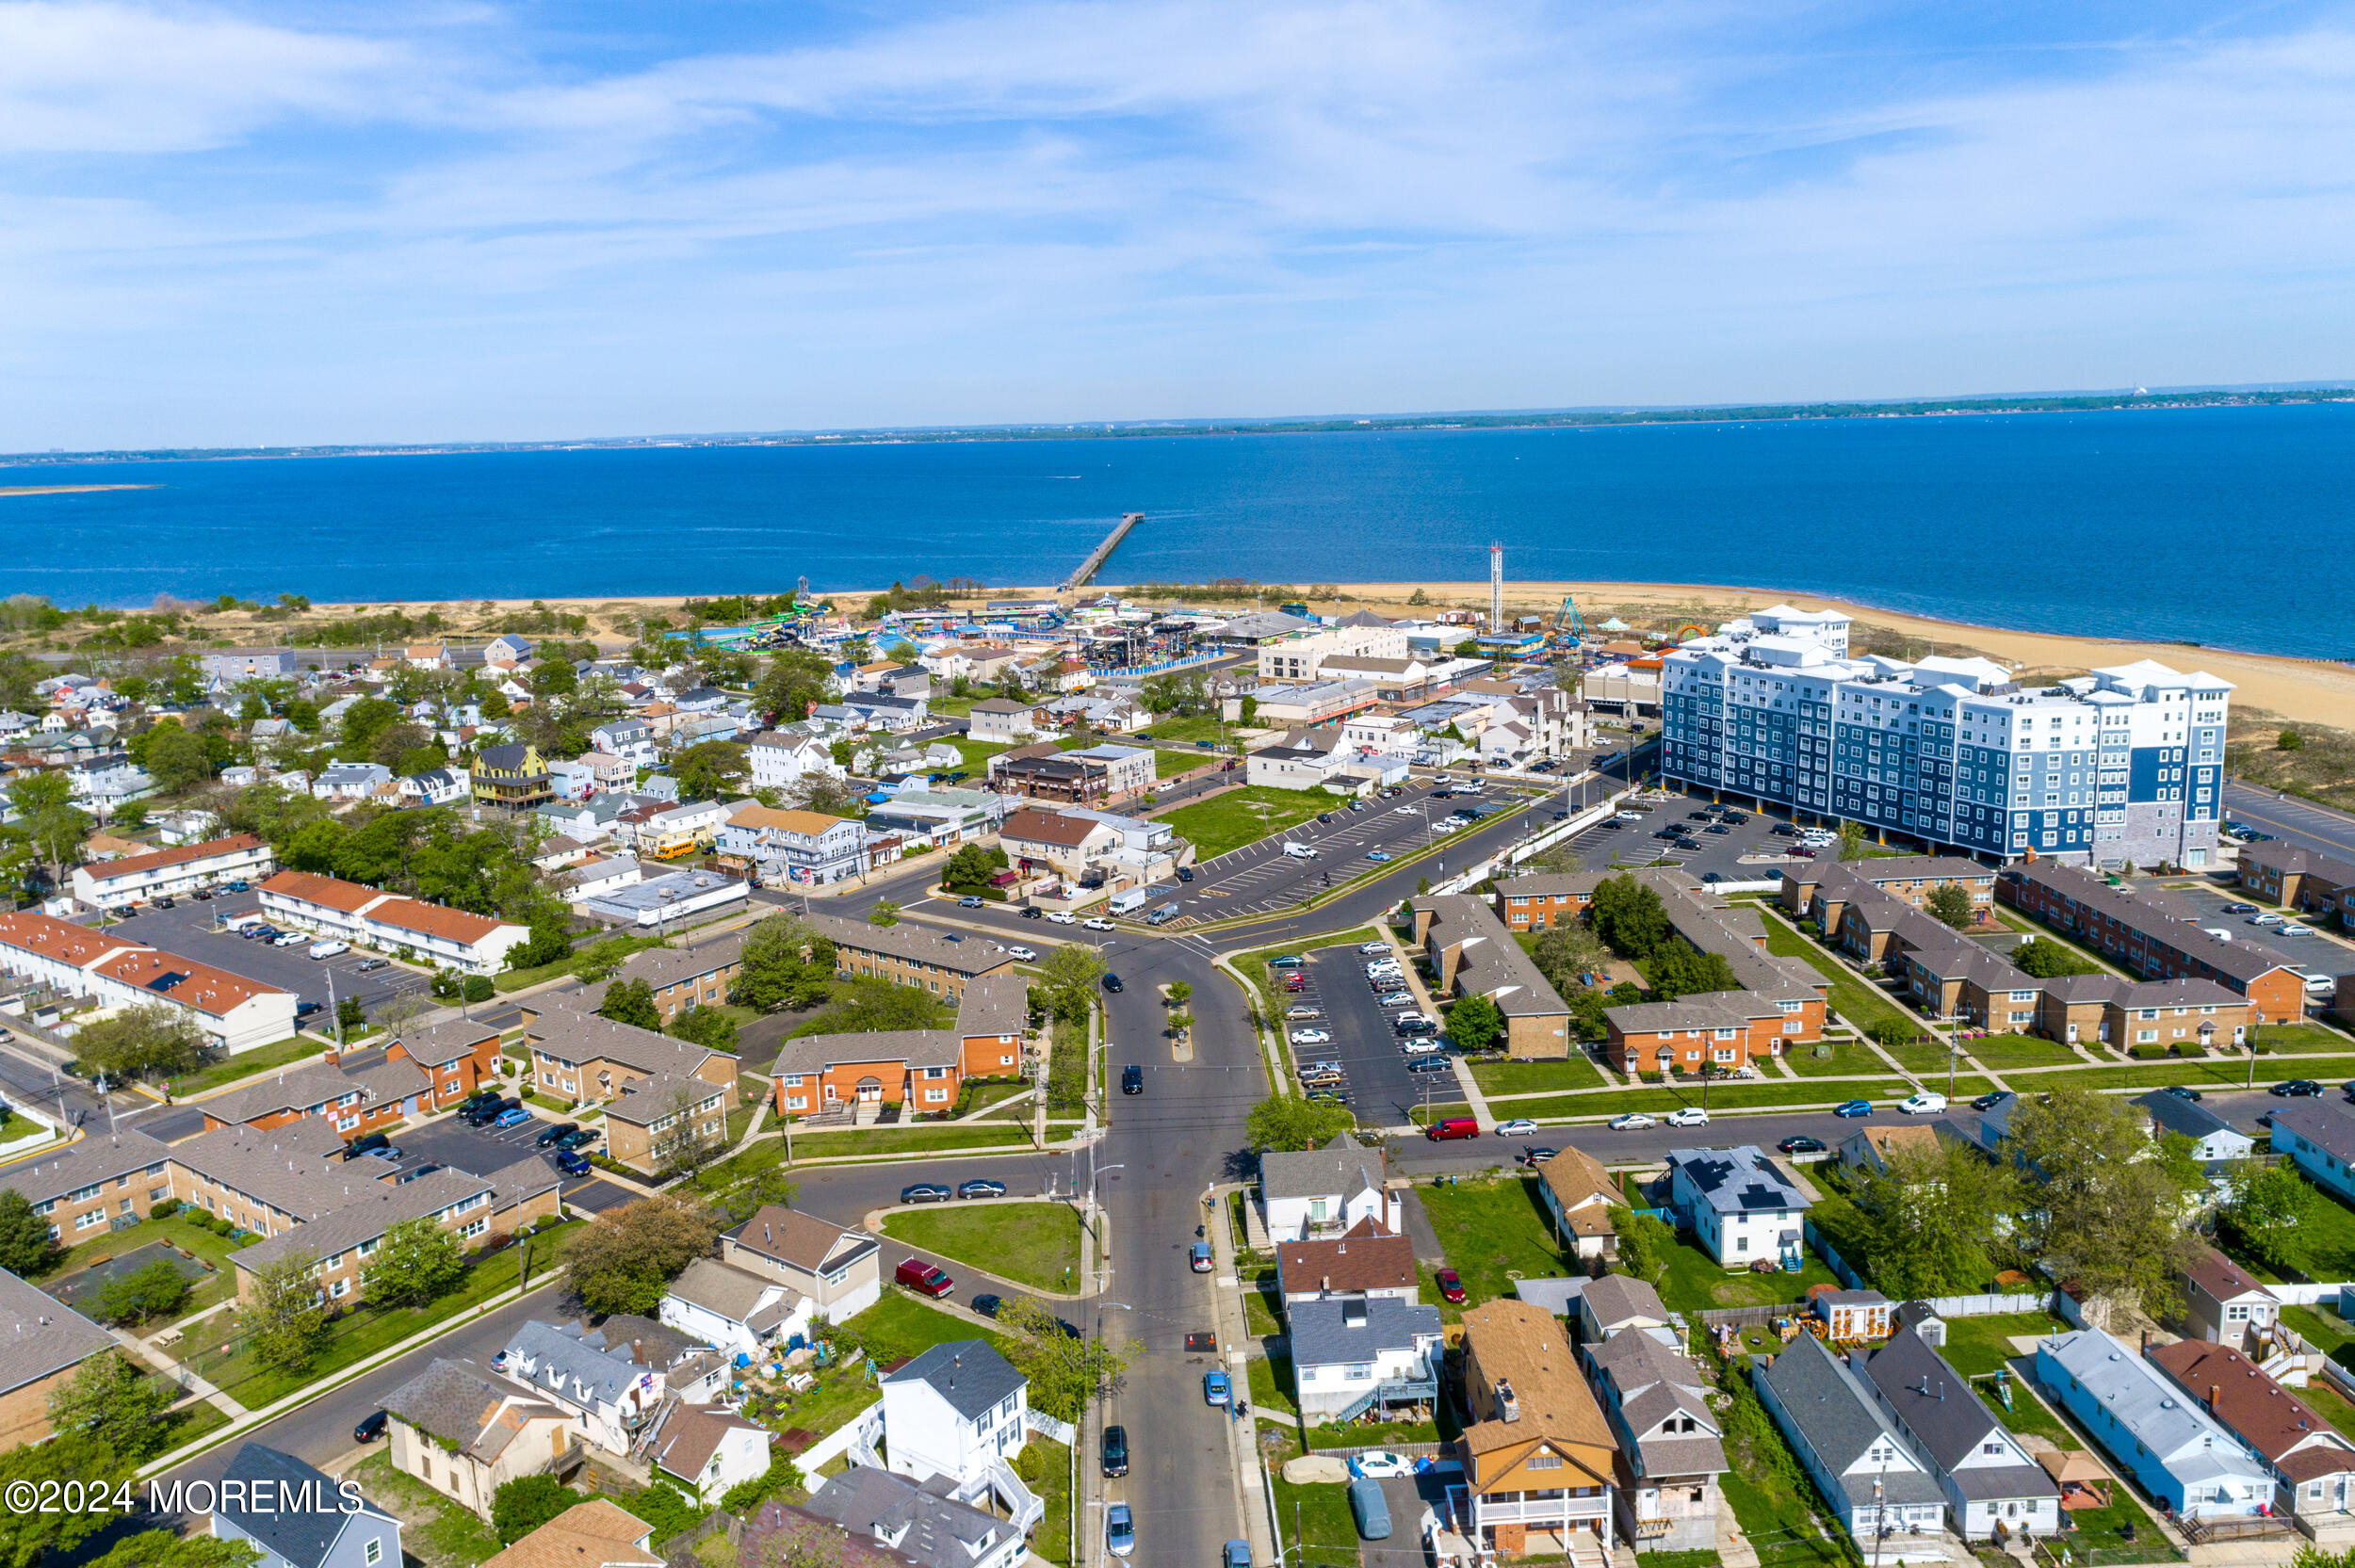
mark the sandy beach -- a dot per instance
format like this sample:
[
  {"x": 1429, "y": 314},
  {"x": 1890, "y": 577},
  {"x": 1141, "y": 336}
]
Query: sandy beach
[
  {"x": 2311, "y": 692},
  {"x": 67, "y": 490}
]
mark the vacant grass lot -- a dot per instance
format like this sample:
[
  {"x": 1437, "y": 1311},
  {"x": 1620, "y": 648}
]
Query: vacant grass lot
[
  {"x": 1534, "y": 1077},
  {"x": 1167, "y": 763},
  {"x": 245, "y": 1064},
  {"x": 1493, "y": 1231},
  {"x": 2325, "y": 1239},
  {"x": 2003, "y": 1052},
  {"x": 1243, "y": 816},
  {"x": 975, "y": 755},
  {"x": 1187, "y": 731},
  {"x": 1842, "y": 1059},
  {"x": 1035, "y": 1244}
]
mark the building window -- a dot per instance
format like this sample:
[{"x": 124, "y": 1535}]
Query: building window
[{"x": 375, "y": 1553}]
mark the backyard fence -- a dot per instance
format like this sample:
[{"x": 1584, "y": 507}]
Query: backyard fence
[{"x": 1994, "y": 1304}]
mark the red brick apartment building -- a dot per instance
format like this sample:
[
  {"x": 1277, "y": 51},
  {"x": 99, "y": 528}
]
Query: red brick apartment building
[{"x": 2154, "y": 933}]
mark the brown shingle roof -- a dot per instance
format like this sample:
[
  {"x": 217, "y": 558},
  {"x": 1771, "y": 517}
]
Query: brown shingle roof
[
  {"x": 595, "y": 1534},
  {"x": 2266, "y": 1417},
  {"x": 1368, "y": 1258}
]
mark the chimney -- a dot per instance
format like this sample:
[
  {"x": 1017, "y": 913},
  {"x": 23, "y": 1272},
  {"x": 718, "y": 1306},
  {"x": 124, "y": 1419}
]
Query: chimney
[
  {"x": 1324, "y": 1284},
  {"x": 2213, "y": 1391},
  {"x": 1508, "y": 1408}
]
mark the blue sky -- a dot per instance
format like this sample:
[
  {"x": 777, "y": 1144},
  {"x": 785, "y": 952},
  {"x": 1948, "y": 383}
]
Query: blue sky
[{"x": 227, "y": 225}]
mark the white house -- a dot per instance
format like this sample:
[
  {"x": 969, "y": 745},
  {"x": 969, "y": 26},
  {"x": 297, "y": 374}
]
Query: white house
[
  {"x": 232, "y": 1012},
  {"x": 707, "y": 1448},
  {"x": 438, "y": 787},
  {"x": 740, "y": 1313},
  {"x": 793, "y": 849},
  {"x": 779, "y": 759},
  {"x": 1880, "y": 1491},
  {"x": 2177, "y": 1451},
  {"x": 1737, "y": 1204},
  {"x": 1002, "y": 720},
  {"x": 1327, "y": 1191},
  {"x": 629, "y": 738},
  {"x": 1348, "y": 1351},
  {"x": 955, "y": 1411},
  {"x": 603, "y": 1388},
  {"x": 1989, "y": 1479},
  {"x": 351, "y": 780}
]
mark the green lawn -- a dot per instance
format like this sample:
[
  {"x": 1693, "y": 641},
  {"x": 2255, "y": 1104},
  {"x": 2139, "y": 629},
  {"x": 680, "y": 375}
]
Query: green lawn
[
  {"x": 245, "y": 1064},
  {"x": 1271, "y": 1382},
  {"x": 440, "y": 1533},
  {"x": 2326, "y": 1333},
  {"x": 2200, "y": 1073},
  {"x": 1052, "y": 1539},
  {"x": 2003, "y": 1052},
  {"x": 516, "y": 979},
  {"x": 1200, "y": 727},
  {"x": 2042, "y": 932},
  {"x": 1657, "y": 1099},
  {"x": 1314, "y": 1522},
  {"x": 1167, "y": 763},
  {"x": 1246, "y": 815},
  {"x": 2325, "y": 1239},
  {"x": 975, "y": 755},
  {"x": 1853, "y": 999},
  {"x": 2301, "y": 1038},
  {"x": 1259, "y": 1304},
  {"x": 1977, "y": 1346},
  {"x": 1492, "y": 1231},
  {"x": 178, "y": 1231},
  {"x": 769, "y": 1148},
  {"x": 1528, "y": 1077},
  {"x": 1843, "y": 1059},
  {"x": 1035, "y": 1244},
  {"x": 904, "y": 1325},
  {"x": 1776, "y": 1513},
  {"x": 1695, "y": 1282}
]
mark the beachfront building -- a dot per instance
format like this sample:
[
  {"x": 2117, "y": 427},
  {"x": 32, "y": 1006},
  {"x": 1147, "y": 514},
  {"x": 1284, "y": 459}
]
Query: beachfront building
[{"x": 2123, "y": 765}]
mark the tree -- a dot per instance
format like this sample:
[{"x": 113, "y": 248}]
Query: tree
[
  {"x": 783, "y": 963},
  {"x": 401, "y": 1012},
  {"x": 1677, "y": 968},
  {"x": 551, "y": 940},
  {"x": 1474, "y": 1022},
  {"x": 416, "y": 1264},
  {"x": 620, "y": 1260},
  {"x": 631, "y": 1002},
  {"x": 707, "y": 771},
  {"x": 690, "y": 1137},
  {"x": 1930, "y": 1216},
  {"x": 971, "y": 868},
  {"x": 1629, "y": 916},
  {"x": 1287, "y": 1124},
  {"x": 116, "y": 1402},
  {"x": 49, "y": 825},
  {"x": 1564, "y": 953},
  {"x": 706, "y": 1027},
  {"x": 826, "y": 796},
  {"x": 285, "y": 1322},
  {"x": 2290, "y": 740},
  {"x": 1890, "y": 1031},
  {"x": 176, "y": 759},
  {"x": 1644, "y": 1240},
  {"x": 871, "y": 1006},
  {"x": 1065, "y": 1372},
  {"x": 2264, "y": 1215},
  {"x": 2096, "y": 1207},
  {"x": 1180, "y": 993},
  {"x": 886, "y": 913},
  {"x": 30, "y": 1535},
  {"x": 1851, "y": 841},
  {"x": 25, "y": 1245},
  {"x": 164, "y": 1549},
  {"x": 154, "y": 1040},
  {"x": 1068, "y": 977},
  {"x": 2045, "y": 960},
  {"x": 154, "y": 1290},
  {"x": 523, "y": 1505},
  {"x": 1950, "y": 904},
  {"x": 745, "y": 1498}
]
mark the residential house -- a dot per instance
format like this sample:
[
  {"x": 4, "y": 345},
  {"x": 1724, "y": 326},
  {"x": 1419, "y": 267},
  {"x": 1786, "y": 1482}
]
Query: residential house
[
  {"x": 2312, "y": 1464},
  {"x": 96, "y": 1185},
  {"x": 2224, "y": 1304},
  {"x": 919, "y": 1069},
  {"x": 837, "y": 1270},
  {"x": 662, "y": 1122},
  {"x": 182, "y": 869},
  {"x": 1313, "y": 758},
  {"x": 1540, "y": 1462},
  {"x": 1473, "y": 955},
  {"x": 1614, "y": 1304},
  {"x": 351, "y": 780},
  {"x": 260, "y": 1502},
  {"x": 696, "y": 975},
  {"x": 104, "y": 781},
  {"x": 707, "y": 1448},
  {"x": 1579, "y": 1195},
  {"x": 597, "y": 877},
  {"x": 595, "y": 1534},
  {"x": 2304, "y": 879},
  {"x": 2213, "y": 1140},
  {"x": 676, "y": 831},
  {"x": 46, "y": 1342},
  {"x": 435, "y": 786},
  {"x": 512, "y": 775},
  {"x": 1709, "y": 1032},
  {"x": 2319, "y": 1138},
  {"x": 886, "y": 1509},
  {"x": 1066, "y": 845},
  {"x": 1738, "y": 1205},
  {"x": 1003, "y": 721},
  {"x": 793, "y": 849},
  {"x": 457, "y": 1056},
  {"x": 1671, "y": 1440},
  {"x": 955, "y": 1411},
  {"x": 993, "y": 1022},
  {"x": 466, "y": 1434},
  {"x": 450, "y": 938},
  {"x": 2175, "y": 1451},
  {"x": 233, "y": 665},
  {"x": 1869, "y": 1148},
  {"x": 1364, "y": 1261},
  {"x": 780, "y": 759},
  {"x": 741, "y": 1314},
  {"x": 1357, "y": 1352},
  {"x": 2154, "y": 933},
  {"x": 582, "y": 1057},
  {"x": 908, "y": 954},
  {"x": 600, "y": 1385},
  {"x": 1097, "y": 776},
  {"x": 1879, "y": 1490},
  {"x": 1326, "y": 1192}
]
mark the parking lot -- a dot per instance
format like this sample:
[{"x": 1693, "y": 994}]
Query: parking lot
[
  {"x": 483, "y": 1151},
  {"x": 1380, "y": 1089},
  {"x": 2314, "y": 952},
  {"x": 192, "y": 930},
  {"x": 1749, "y": 851},
  {"x": 1261, "y": 878}
]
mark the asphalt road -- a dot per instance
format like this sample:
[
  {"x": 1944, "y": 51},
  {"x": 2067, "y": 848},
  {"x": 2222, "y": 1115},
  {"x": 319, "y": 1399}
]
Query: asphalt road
[{"x": 2297, "y": 822}]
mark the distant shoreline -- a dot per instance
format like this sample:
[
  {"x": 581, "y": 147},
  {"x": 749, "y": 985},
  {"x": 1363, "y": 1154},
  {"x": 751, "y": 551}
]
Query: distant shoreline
[
  {"x": 1590, "y": 418},
  {"x": 65, "y": 490}
]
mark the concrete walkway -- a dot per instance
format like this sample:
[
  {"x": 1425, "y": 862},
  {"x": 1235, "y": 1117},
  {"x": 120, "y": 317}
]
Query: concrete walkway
[
  {"x": 1242, "y": 1432},
  {"x": 177, "y": 1373}
]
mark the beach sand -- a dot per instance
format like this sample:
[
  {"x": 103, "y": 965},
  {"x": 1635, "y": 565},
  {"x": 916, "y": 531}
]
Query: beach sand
[{"x": 67, "y": 490}]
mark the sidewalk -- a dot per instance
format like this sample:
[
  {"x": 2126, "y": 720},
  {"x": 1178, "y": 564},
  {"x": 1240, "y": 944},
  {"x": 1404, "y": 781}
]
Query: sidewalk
[{"x": 1234, "y": 1337}]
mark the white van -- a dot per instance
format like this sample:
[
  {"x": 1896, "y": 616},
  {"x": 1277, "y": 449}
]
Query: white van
[
  {"x": 329, "y": 948},
  {"x": 1300, "y": 851}
]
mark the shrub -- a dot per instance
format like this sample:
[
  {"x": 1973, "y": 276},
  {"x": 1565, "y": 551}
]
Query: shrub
[
  {"x": 1031, "y": 1463},
  {"x": 165, "y": 1210},
  {"x": 2148, "y": 1053}
]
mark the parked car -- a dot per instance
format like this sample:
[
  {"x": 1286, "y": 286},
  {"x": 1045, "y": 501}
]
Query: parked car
[
  {"x": 1691, "y": 1116},
  {"x": 1420, "y": 1046},
  {"x": 1379, "y": 1466},
  {"x": 987, "y": 1305},
  {"x": 1853, "y": 1107},
  {"x": 1451, "y": 1286},
  {"x": 514, "y": 1117},
  {"x": 1287, "y": 960},
  {"x": 1132, "y": 1079},
  {"x": 1379, "y": 857},
  {"x": 1926, "y": 1103},
  {"x": 369, "y": 966},
  {"x": 578, "y": 1138},
  {"x": 1021, "y": 954},
  {"x": 923, "y": 1278},
  {"x": 2297, "y": 1089},
  {"x": 371, "y": 1145},
  {"x": 2182, "y": 1091},
  {"x": 1115, "y": 1454},
  {"x": 1062, "y": 917},
  {"x": 1396, "y": 999},
  {"x": 1185, "y": 873},
  {"x": 1451, "y": 1126},
  {"x": 970, "y": 901},
  {"x": 981, "y": 1186},
  {"x": 1238, "y": 1555},
  {"x": 1303, "y": 1010},
  {"x": 1537, "y": 1154},
  {"x": 1800, "y": 1143},
  {"x": 1198, "y": 1257},
  {"x": 1991, "y": 1100},
  {"x": 1517, "y": 1127},
  {"x": 555, "y": 1132},
  {"x": 1801, "y": 852},
  {"x": 1098, "y": 923},
  {"x": 571, "y": 1163},
  {"x": 1366, "y": 1507},
  {"x": 926, "y": 1192},
  {"x": 1216, "y": 1388},
  {"x": 370, "y": 1427},
  {"x": 1633, "y": 1121},
  {"x": 1120, "y": 1530}
]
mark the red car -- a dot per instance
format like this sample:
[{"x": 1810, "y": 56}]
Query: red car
[
  {"x": 923, "y": 1277},
  {"x": 1801, "y": 852},
  {"x": 1450, "y": 1286}
]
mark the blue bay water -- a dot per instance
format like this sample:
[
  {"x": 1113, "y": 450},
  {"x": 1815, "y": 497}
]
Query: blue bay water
[{"x": 2225, "y": 527}]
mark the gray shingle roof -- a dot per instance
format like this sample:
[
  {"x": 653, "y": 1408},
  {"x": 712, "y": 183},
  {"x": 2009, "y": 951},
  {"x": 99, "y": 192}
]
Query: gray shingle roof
[
  {"x": 1322, "y": 1335},
  {"x": 373, "y": 1208},
  {"x": 995, "y": 1005},
  {"x": 1623, "y": 1298},
  {"x": 651, "y": 1099},
  {"x": 457, "y": 1401},
  {"x": 1343, "y": 1166},
  {"x": 302, "y": 1536},
  {"x": 895, "y": 1510},
  {"x": 2180, "y": 1115},
  {"x": 307, "y": 1089},
  {"x": 1738, "y": 1180},
  {"x": 911, "y": 944},
  {"x": 730, "y": 1292},
  {"x": 577, "y": 1037},
  {"x": 1493, "y": 964},
  {"x": 1830, "y": 1407},
  {"x": 39, "y": 1336},
  {"x": 1935, "y": 1402},
  {"x": 967, "y": 1373},
  {"x": 573, "y": 1364},
  {"x": 2327, "y": 1126},
  {"x": 439, "y": 1044},
  {"x": 84, "y": 1164},
  {"x": 814, "y": 1052}
]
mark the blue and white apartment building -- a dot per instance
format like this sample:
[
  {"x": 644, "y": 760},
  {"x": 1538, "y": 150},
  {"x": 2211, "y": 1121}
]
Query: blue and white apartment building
[{"x": 2125, "y": 763}]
